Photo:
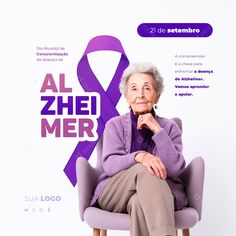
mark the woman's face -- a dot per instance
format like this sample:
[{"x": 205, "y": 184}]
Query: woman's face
[{"x": 141, "y": 94}]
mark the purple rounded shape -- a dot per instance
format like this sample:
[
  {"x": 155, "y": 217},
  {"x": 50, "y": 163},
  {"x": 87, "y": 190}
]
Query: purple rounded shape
[{"x": 175, "y": 30}]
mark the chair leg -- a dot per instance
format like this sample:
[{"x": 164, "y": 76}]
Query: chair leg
[
  {"x": 176, "y": 232},
  {"x": 185, "y": 232},
  {"x": 104, "y": 232},
  {"x": 96, "y": 232}
]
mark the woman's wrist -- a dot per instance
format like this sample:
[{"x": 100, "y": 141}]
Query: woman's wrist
[
  {"x": 157, "y": 129},
  {"x": 140, "y": 156}
]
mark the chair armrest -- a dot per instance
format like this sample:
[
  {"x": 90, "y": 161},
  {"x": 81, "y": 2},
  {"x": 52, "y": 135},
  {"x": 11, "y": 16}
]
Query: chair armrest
[
  {"x": 87, "y": 178},
  {"x": 193, "y": 179}
]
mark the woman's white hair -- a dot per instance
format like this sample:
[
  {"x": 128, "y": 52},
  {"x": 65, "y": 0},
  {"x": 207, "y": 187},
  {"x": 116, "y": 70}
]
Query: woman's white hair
[{"x": 144, "y": 68}]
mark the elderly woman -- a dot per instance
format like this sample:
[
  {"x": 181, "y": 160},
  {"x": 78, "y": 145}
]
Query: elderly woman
[{"x": 142, "y": 158}]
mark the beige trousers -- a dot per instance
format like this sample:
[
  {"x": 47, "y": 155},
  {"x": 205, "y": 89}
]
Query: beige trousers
[{"x": 146, "y": 198}]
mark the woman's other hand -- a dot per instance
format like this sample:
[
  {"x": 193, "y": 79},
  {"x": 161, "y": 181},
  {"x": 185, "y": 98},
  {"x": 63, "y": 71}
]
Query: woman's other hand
[{"x": 153, "y": 164}]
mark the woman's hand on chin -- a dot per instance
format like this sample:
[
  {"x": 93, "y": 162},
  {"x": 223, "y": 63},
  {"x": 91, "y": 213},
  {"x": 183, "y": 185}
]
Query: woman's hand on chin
[
  {"x": 148, "y": 121},
  {"x": 153, "y": 164}
]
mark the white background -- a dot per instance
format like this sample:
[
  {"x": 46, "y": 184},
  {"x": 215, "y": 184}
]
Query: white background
[{"x": 32, "y": 166}]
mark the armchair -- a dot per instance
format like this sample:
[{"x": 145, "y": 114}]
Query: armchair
[{"x": 101, "y": 220}]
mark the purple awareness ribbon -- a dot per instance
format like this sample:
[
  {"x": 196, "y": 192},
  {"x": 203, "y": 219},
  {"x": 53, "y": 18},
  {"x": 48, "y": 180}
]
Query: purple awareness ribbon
[{"x": 109, "y": 98}]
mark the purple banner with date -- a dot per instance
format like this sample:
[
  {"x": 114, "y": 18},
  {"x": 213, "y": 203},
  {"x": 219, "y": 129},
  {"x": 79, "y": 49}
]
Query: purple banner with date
[{"x": 175, "y": 30}]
